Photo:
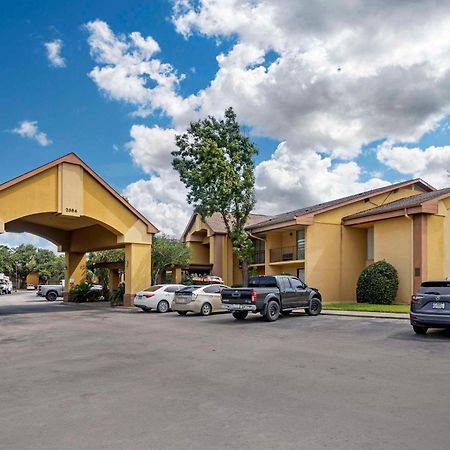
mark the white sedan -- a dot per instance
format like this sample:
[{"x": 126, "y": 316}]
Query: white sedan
[{"x": 157, "y": 297}]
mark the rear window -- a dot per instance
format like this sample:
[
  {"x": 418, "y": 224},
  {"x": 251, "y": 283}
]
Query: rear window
[
  {"x": 435, "y": 284},
  {"x": 435, "y": 287},
  {"x": 262, "y": 282},
  {"x": 153, "y": 288},
  {"x": 212, "y": 289},
  {"x": 173, "y": 288}
]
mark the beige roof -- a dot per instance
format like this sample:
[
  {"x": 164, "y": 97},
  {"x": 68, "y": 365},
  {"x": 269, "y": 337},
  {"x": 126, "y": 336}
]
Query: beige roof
[
  {"x": 72, "y": 158},
  {"x": 282, "y": 219}
]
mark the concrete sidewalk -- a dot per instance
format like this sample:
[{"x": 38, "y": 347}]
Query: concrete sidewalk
[{"x": 377, "y": 315}]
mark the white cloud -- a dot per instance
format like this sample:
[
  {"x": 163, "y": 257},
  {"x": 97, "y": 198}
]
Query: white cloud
[
  {"x": 54, "y": 53},
  {"x": 29, "y": 129},
  {"x": 128, "y": 71},
  {"x": 302, "y": 179},
  {"x": 151, "y": 148},
  {"x": 300, "y": 72},
  {"x": 431, "y": 163},
  {"x": 334, "y": 86},
  {"x": 162, "y": 199}
]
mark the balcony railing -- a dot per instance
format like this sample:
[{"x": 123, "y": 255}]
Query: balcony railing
[
  {"x": 287, "y": 254},
  {"x": 259, "y": 257}
]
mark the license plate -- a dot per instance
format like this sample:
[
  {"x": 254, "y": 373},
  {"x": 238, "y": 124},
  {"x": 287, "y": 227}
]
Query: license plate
[{"x": 438, "y": 305}]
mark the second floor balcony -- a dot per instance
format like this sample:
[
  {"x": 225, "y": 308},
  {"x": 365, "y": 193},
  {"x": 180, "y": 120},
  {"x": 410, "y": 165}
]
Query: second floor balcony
[{"x": 287, "y": 254}]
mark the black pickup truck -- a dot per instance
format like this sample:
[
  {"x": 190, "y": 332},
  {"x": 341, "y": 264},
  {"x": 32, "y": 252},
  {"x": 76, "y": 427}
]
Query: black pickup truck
[{"x": 271, "y": 296}]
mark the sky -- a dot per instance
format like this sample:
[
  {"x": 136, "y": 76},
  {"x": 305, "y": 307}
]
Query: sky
[{"x": 340, "y": 96}]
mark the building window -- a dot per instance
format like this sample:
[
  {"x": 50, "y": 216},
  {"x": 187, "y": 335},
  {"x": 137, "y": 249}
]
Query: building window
[
  {"x": 259, "y": 251},
  {"x": 301, "y": 244},
  {"x": 370, "y": 244},
  {"x": 301, "y": 274}
]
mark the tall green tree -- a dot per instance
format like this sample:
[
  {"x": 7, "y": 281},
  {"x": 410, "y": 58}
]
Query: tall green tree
[
  {"x": 6, "y": 260},
  {"x": 48, "y": 265},
  {"x": 215, "y": 162},
  {"x": 168, "y": 253},
  {"x": 24, "y": 258}
]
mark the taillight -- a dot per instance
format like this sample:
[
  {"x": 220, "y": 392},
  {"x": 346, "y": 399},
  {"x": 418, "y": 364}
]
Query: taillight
[
  {"x": 416, "y": 298},
  {"x": 148, "y": 294},
  {"x": 253, "y": 296}
]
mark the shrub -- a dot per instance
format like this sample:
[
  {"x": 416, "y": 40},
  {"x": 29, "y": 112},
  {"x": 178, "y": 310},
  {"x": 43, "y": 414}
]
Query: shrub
[
  {"x": 82, "y": 293},
  {"x": 117, "y": 295},
  {"x": 377, "y": 284}
]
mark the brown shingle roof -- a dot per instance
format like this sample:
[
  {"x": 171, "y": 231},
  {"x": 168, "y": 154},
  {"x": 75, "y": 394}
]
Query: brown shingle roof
[
  {"x": 321, "y": 207},
  {"x": 403, "y": 203},
  {"x": 217, "y": 225}
]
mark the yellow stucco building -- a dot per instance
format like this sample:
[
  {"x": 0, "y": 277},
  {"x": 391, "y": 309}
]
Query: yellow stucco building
[
  {"x": 67, "y": 203},
  {"x": 328, "y": 245}
]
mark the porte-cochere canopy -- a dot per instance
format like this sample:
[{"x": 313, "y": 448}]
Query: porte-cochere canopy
[{"x": 67, "y": 203}]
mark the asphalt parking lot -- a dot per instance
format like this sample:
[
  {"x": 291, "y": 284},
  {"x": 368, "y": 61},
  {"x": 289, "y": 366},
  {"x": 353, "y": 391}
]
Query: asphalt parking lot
[{"x": 83, "y": 377}]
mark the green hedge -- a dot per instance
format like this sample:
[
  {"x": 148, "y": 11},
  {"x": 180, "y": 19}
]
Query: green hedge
[{"x": 377, "y": 284}]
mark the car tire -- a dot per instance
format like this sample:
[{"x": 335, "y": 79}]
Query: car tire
[
  {"x": 240, "y": 315},
  {"x": 206, "y": 309},
  {"x": 420, "y": 330},
  {"x": 272, "y": 311},
  {"x": 163, "y": 306},
  {"x": 182, "y": 313},
  {"x": 51, "y": 296},
  {"x": 315, "y": 307}
]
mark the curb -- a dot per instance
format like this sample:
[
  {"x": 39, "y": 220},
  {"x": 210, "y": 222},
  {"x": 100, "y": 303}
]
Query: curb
[{"x": 374, "y": 315}]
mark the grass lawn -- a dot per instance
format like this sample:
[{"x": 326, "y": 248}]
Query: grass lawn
[{"x": 368, "y": 307}]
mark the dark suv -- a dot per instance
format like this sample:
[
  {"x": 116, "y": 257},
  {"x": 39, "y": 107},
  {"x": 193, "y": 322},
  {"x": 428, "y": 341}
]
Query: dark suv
[{"x": 430, "y": 307}]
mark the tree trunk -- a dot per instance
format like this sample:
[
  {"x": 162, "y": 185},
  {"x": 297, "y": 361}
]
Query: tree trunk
[{"x": 245, "y": 273}]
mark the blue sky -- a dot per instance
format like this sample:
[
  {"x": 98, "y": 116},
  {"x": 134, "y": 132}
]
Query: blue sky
[
  {"x": 317, "y": 94},
  {"x": 65, "y": 102}
]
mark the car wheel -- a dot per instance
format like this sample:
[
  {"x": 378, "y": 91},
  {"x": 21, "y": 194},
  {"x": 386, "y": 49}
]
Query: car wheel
[
  {"x": 182, "y": 313},
  {"x": 420, "y": 330},
  {"x": 206, "y": 309},
  {"x": 240, "y": 315},
  {"x": 163, "y": 306},
  {"x": 51, "y": 296},
  {"x": 315, "y": 307},
  {"x": 272, "y": 311}
]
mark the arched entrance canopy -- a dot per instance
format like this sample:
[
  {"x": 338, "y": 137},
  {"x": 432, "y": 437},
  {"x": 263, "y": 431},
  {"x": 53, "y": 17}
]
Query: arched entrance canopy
[{"x": 66, "y": 202}]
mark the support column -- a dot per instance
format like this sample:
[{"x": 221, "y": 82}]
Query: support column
[
  {"x": 177, "y": 275},
  {"x": 114, "y": 279},
  {"x": 137, "y": 270},
  {"x": 75, "y": 272}
]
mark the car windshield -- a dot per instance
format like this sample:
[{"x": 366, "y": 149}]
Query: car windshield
[{"x": 153, "y": 288}]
